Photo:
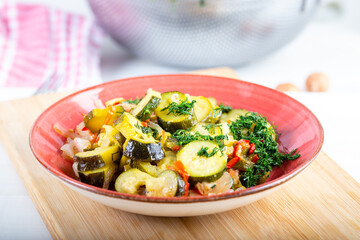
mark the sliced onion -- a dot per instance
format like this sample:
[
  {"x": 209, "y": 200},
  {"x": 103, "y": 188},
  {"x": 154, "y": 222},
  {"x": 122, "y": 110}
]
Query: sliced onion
[
  {"x": 68, "y": 150},
  {"x": 81, "y": 144},
  {"x": 75, "y": 168},
  {"x": 222, "y": 185}
]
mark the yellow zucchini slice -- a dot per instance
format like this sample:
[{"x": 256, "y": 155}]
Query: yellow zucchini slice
[
  {"x": 203, "y": 109},
  {"x": 96, "y": 118},
  {"x": 131, "y": 128},
  {"x": 147, "y": 105}
]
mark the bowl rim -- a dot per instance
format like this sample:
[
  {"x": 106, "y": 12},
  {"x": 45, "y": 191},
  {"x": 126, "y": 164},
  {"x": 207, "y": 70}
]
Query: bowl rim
[{"x": 193, "y": 199}]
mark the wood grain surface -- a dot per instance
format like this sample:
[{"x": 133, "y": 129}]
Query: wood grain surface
[{"x": 323, "y": 202}]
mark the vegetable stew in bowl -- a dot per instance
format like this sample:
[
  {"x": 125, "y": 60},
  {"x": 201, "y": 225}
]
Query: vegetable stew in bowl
[
  {"x": 201, "y": 143},
  {"x": 172, "y": 144}
]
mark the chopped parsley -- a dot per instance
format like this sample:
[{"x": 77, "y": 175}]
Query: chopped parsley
[
  {"x": 183, "y": 108},
  {"x": 257, "y": 130},
  {"x": 204, "y": 152}
]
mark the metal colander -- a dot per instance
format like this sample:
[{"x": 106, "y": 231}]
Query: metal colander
[{"x": 186, "y": 33}]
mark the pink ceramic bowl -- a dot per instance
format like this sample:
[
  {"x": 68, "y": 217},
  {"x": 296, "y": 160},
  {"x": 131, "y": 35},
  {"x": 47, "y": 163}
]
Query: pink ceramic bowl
[{"x": 298, "y": 126}]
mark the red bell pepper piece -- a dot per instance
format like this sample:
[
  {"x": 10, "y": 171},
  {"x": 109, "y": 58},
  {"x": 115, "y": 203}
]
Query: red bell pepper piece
[
  {"x": 239, "y": 147},
  {"x": 255, "y": 159},
  {"x": 176, "y": 148},
  {"x": 232, "y": 162},
  {"x": 252, "y": 148}
]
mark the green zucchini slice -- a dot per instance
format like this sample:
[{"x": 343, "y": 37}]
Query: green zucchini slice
[
  {"x": 203, "y": 109},
  {"x": 147, "y": 105},
  {"x": 97, "y": 158},
  {"x": 173, "y": 121},
  {"x": 144, "y": 151},
  {"x": 100, "y": 177},
  {"x": 135, "y": 181},
  {"x": 131, "y": 128},
  {"x": 202, "y": 168}
]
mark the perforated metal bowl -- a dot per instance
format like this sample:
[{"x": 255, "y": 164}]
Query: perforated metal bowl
[{"x": 221, "y": 32}]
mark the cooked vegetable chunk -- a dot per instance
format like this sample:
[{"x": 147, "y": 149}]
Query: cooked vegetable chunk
[
  {"x": 97, "y": 158},
  {"x": 135, "y": 181},
  {"x": 144, "y": 151},
  {"x": 100, "y": 177},
  {"x": 203, "y": 109},
  {"x": 131, "y": 128},
  {"x": 232, "y": 115},
  {"x": 110, "y": 136},
  {"x": 203, "y": 161},
  {"x": 175, "y": 111},
  {"x": 96, "y": 118},
  {"x": 147, "y": 105}
]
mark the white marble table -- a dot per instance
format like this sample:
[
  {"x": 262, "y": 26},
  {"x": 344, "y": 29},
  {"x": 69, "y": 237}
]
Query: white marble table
[{"x": 328, "y": 46}]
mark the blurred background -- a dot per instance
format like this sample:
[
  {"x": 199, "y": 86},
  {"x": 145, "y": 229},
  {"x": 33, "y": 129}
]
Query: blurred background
[{"x": 323, "y": 39}]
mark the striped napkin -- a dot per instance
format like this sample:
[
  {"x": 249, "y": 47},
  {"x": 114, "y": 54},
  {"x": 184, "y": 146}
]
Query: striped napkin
[{"x": 38, "y": 43}]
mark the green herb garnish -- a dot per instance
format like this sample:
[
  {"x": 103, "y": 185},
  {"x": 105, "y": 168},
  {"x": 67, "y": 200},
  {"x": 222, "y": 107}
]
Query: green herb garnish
[
  {"x": 147, "y": 130},
  {"x": 183, "y": 108},
  {"x": 146, "y": 110},
  {"x": 213, "y": 186},
  {"x": 135, "y": 101},
  {"x": 224, "y": 108},
  {"x": 204, "y": 152},
  {"x": 257, "y": 130},
  {"x": 185, "y": 136},
  {"x": 211, "y": 128}
]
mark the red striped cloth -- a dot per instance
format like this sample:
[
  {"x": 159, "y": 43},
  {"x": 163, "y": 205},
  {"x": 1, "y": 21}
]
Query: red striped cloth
[{"x": 38, "y": 42}]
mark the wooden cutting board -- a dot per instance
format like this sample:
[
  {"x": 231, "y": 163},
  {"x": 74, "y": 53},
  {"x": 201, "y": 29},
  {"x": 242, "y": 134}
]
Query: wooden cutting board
[{"x": 321, "y": 202}]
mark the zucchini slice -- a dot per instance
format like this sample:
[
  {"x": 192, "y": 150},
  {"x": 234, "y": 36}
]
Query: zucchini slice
[
  {"x": 232, "y": 115},
  {"x": 203, "y": 109},
  {"x": 165, "y": 185},
  {"x": 147, "y": 168},
  {"x": 100, "y": 177},
  {"x": 110, "y": 137},
  {"x": 131, "y": 181},
  {"x": 202, "y": 168},
  {"x": 170, "y": 121},
  {"x": 131, "y": 128},
  {"x": 144, "y": 151},
  {"x": 134, "y": 181},
  {"x": 147, "y": 105},
  {"x": 97, "y": 158},
  {"x": 96, "y": 118}
]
